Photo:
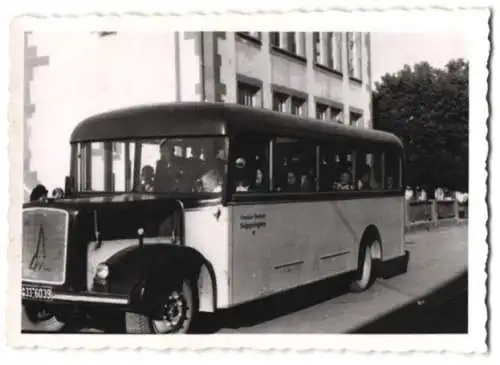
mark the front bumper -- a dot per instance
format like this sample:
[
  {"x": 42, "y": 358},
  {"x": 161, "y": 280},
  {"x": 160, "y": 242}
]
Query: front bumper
[
  {"x": 91, "y": 298},
  {"x": 50, "y": 295}
]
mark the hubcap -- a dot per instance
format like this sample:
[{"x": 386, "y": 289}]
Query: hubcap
[
  {"x": 172, "y": 313},
  {"x": 38, "y": 314},
  {"x": 367, "y": 267}
]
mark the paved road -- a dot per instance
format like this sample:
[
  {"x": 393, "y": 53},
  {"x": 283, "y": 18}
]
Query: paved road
[{"x": 431, "y": 297}]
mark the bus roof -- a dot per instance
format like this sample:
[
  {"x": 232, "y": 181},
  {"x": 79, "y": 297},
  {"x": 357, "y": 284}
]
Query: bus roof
[{"x": 204, "y": 118}]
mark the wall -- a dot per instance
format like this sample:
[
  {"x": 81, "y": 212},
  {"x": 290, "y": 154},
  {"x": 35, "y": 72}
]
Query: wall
[{"x": 88, "y": 74}]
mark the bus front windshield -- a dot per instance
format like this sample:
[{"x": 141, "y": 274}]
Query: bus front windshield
[{"x": 166, "y": 165}]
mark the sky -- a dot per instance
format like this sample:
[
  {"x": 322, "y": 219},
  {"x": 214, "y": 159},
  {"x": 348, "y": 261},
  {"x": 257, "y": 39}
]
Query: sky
[{"x": 391, "y": 51}]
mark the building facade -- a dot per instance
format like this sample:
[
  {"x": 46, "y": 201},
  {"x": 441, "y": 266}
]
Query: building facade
[
  {"x": 67, "y": 77},
  {"x": 319, "y": 75}
]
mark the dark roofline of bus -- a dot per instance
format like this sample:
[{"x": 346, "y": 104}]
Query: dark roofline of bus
[{"x": 208, "y": 118}]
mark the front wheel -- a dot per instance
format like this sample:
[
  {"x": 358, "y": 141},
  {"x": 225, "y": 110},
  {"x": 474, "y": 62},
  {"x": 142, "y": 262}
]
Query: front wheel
[
  {"x": 174, "y": 313},
  {"x": 365, "y": 275},
  {"x": 38, "y": 318}
]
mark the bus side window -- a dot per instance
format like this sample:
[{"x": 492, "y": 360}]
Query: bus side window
[
  {"x": 294, "y": 166},
  {"x": 368, "y": 171},
  {"x": 249, "y": 163},
  {"x": 392, "y": 171},
  {"x": 343, "y": 178},
  {"x": 335, "y": 170}
]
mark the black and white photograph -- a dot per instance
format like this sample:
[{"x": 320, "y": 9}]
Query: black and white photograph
[{"x": 233, "y": 182}]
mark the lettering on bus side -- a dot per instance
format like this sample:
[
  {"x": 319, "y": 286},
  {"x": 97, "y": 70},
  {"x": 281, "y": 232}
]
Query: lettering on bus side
[{"x": 252, "y": 221}]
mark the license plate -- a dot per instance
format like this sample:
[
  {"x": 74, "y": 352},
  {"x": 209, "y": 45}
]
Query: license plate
[{"x": 36, "y": 293}]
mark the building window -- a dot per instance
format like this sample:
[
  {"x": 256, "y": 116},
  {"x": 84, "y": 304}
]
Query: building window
[
  {"x": 326, "y": 112},
  {"x": 255, "y": 35},
  {"x": 286, "y": 103},
  {"x": 301, "y": 43},
  {"x": 249, "y": 95},
  {"x": 280, "y": 102},
  {"x": 335, "y": 51},
  {"x": 292, "y": 42},
  {"x": 355, "y": 119},
  {"x": 359, "y": 52},
  {"x": 298, "y": 106},
  {"x": 327, "y": 50},
  {"x": 354, "y": 55},
  {"x": 274, "y": 38},
  {"x": 318, "y": 49},
  {"x": 322, "y": 111},
  {"x": 337, "y": 115}
]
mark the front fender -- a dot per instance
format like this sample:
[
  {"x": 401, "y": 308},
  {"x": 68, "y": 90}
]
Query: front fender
[{"x": 139, "y": 271}]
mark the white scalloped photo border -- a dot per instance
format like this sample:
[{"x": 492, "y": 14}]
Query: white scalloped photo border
[{"x": 474, "y": 24}]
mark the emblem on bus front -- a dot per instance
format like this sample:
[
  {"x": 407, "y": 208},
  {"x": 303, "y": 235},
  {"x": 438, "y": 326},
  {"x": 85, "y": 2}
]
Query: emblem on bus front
[{"x": 38, "y": 259}]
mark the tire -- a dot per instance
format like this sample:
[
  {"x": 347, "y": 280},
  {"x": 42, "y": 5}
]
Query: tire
[
  {"x": 185, "y": 296},
  {"x": 365, "y": 274},
  {"x": 35, "y": 318}
]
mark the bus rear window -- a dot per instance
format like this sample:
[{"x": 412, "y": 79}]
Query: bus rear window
[{"x": 392, "y": 171}]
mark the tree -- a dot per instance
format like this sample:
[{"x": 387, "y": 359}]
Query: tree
[{"x": 428, "y": 109}]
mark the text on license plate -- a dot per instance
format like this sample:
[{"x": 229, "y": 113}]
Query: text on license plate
[{"x": 36, "y": 293}]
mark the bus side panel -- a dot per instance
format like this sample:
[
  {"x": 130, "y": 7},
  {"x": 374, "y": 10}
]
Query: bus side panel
[
  {"x": 209, "y": 235},
  {"x": 276, "y": 247},
  {"x": 280, "y": 246},
  {"x": 385, "y": 213}
]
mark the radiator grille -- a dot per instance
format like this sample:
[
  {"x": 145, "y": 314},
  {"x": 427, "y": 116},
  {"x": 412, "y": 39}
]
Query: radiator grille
[{"x": 45, "y": 238}]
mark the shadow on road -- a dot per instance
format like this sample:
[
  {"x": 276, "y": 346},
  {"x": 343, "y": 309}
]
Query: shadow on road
[
  {"x": 275, "y": 306},
  {"x": 444, "y": 310}
]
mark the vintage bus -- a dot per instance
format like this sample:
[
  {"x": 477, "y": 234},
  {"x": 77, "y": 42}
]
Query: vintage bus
[{"x": 176, "y": 209}]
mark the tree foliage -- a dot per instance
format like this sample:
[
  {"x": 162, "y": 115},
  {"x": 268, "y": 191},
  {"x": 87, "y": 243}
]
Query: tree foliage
[{"x": 428, "y": 108}]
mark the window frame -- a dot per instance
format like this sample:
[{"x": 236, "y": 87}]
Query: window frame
[
  {"x": 328, "y": 51},
  {"x": 301, "y": 145},
  {"x": 354, "y": 49},
  {"x": 84, "y": 187},
  {"x": 251, "y": 88},
  {"x": 290, "y": 43},
  {"x": 287, "y": 98},
  {"x": 266, "y": 140}
]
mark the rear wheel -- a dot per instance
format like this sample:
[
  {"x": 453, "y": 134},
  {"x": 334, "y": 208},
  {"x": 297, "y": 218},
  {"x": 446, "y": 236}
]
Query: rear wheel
[
  {"x": 37, "y": 317},
  {"x": 174, "y": 313},
  {"x": 365, "y": 275}
]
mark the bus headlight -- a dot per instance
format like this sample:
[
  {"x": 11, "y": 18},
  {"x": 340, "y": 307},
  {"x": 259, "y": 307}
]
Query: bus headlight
[{"x": 102, "y": 271}]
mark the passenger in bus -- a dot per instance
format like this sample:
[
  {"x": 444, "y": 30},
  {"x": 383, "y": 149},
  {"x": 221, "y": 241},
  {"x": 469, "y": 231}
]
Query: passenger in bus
[
  {"x": 259, "y": 180},
  {"x": 292, "y": 185},
  {"x": 57, "y": 193},
  {"x": 390, "y": 182},
  {"x": 167, "y": 177},
  {"x": 147, "y": 179},
  {"x": 305, "y": 183},
  {"x": 365, "y": 182},
  {"x": 345, "y": 182},
  {"x": 211, "y": 182},
  {"x": 39, "y": 193},
  {"x": 211, "y": 179},
  {"x": 242, "y": 182}
]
